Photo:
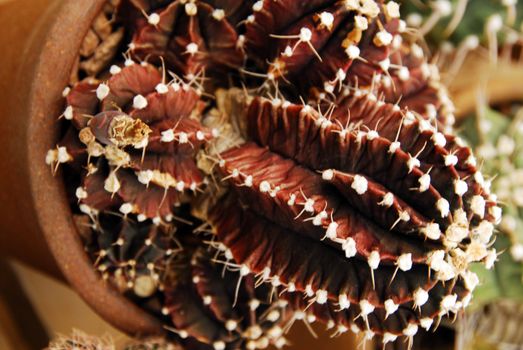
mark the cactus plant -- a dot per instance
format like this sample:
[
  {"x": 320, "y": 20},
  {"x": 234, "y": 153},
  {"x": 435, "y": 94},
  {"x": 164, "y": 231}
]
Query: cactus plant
[
  {"x": 491, "y": 132},
  {"x": 456, "y": 20},
  {"x": 306, "y": 145},
  {"x": 496, "y": 136}
]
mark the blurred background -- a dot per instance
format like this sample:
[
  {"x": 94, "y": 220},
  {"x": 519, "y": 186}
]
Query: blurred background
[{"x": 34, "y": 307}]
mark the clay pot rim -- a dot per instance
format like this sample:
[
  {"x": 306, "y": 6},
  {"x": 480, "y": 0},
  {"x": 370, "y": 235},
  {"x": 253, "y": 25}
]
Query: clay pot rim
[{"x": 59, "y": 48}]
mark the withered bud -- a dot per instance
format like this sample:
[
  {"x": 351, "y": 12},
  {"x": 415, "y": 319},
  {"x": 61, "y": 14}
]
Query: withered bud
[{"x": 125, "y": 131}]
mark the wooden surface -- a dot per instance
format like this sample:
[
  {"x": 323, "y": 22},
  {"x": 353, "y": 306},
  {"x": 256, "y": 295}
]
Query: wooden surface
[{"x": 500, "y": 83}]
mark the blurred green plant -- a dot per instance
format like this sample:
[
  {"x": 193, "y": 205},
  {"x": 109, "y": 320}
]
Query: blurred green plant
[
  {"x": 453, "y": 28},
  {"x": 456, "y": 20},
  {"x": 498, "y": 141},
  {"x": 496, "y": 135}
]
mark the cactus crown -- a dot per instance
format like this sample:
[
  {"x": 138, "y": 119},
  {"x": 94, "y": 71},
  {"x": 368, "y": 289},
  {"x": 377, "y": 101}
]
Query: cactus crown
[{"x": 301, "y": 147}]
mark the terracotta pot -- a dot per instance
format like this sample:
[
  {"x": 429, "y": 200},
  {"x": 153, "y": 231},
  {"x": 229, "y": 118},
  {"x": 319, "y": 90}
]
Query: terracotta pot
[{"x": 40, "y": 40}]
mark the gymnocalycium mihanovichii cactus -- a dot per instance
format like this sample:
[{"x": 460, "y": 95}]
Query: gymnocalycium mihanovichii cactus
[{"x": 304, "y": 148}]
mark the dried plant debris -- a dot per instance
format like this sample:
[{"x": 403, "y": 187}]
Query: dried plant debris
[
  {"x": 101, "y": 44},
  {"x": 249, "y": 165},
  {"x": 79, "y": 340},
  {"x": 500, "y": 324},
  {"x": 497, "y": 138}
]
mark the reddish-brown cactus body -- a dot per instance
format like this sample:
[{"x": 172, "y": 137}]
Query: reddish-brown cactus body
[
  {"x": 327, "y": 187},
  {"x": 217, "y": 308},
  {"x": 192, "y": 37},
  {"x": 147, "y": 135},
  {"x": 370, "y": 207}
]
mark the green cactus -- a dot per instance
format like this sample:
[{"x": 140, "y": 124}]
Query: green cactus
[
  {"x": 497, "y": 138},
  {"x": 452, "y": 30},
  {"x": 455, "y": 20}
]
